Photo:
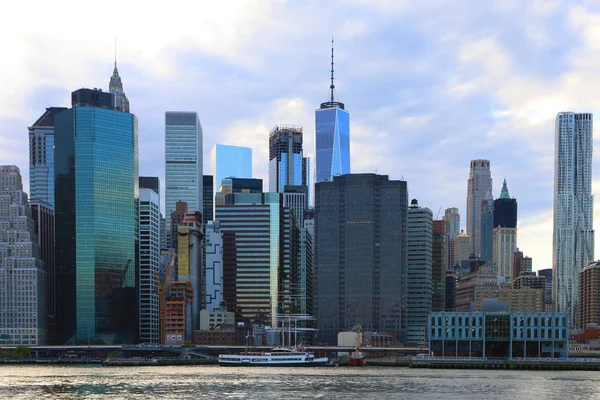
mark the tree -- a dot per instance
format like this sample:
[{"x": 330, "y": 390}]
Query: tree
[{"x": 22, "y": 352}]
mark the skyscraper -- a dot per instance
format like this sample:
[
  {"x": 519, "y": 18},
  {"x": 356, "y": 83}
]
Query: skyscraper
[
  {"x": 420, "y": 264},
  {"x": 451, "y": 229},
  {"x": 41, "y": 157},
  {"x": 228, "y": 161},
  {"x": 487, "y": 226},
  {"x": 332, "y": 129},
  {"x": 573, "y": 237},
  {"x": 22, "y": 276},
  {"x": 360, "y": 255},
  {"x": 149, "y": 260},
  {"x": 438, "y": 268},
  {"x": 209, "y": 198},
  {"x": 287, "y": 164},
  {"x": 183, "y": 158},
  {"x": 504, "y": 235},
  {"x": 96, "y": 199},
  {"x": 589, "y": 287},
  {"x": 115, "y": 87},
  {"x": 480, "y": 181},
  {"x": 189, "y": 260},
  {"x": 214, "y": 265}
]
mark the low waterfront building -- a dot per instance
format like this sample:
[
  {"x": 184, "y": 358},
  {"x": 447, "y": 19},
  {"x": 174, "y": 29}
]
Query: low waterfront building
[{"x": 499, "y": 335}]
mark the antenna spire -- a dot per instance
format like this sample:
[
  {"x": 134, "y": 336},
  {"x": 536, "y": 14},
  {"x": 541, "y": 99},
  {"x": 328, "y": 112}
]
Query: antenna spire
[
  {"x": 115, "y": 52},
  {"x": 332, "y": 86}
]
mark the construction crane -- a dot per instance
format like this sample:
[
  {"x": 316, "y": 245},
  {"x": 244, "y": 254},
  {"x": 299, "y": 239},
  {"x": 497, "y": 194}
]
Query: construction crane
[{"x": 162, "y": 291}]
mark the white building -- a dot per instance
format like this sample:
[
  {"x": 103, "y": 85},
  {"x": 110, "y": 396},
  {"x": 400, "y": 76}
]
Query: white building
[
  {"x": 480, "y": 181},
  {"x": 420, "y": 264},
  {"x": 149, "y": 248},
  {"x": 213, "y": 240},
  {"x": 23, "y": 310},
  {"x": 573, "y": 238},
  {"x": 504, "y": 245}
]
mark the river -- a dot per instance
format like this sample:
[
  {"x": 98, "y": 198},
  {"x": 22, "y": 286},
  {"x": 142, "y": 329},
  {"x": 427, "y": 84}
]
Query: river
[{"x": 214, "y": 382}]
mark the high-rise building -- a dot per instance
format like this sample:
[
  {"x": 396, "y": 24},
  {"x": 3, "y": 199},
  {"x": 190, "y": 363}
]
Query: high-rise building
[
  {"x": 487, "y": 226},
  {"x": 96, "y": 220},
  {"x": 296, "y": 198},
  {"x": 23, "y": 311},
  {"x": 43, "y": 219},
  {"x": 228, "y": 161},
  {"x": 189, "y": 260},
  {"x": 589, "y": 301},
  {"x": 332, "y": 129},
  {"x": 547, "y": 273},
  {"x": 438, "y": 268},
  {"x": 41, "y": 157},
  {"x": 259, "y": 266},
  {"x": 521, "y": 264},
  {"x": 183, "y": 158},
  {"x": 573, "y": 238},
  {"x": 462, "y": 247},
  {"x": 214, "y": 265},
  {"x": 360, "y": 255},
  {"x": 287, "y": 164},
  {"x": 149, "y": 260},
  {"x": 115, "y": 87},
  {"x": 209, "y": 198},
  {"x": 452, "y": 229},
  {"x": 420, "y": 263},
  {"x": 451, "y": 281},
  {"x": 480, "y": 181},
  {"x": 504, "y": 235}
]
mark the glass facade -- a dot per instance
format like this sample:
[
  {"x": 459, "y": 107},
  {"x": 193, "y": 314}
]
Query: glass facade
[
  {"x": 230, "y": 162},
  {"x": 332, "y": 127},
  {"x": 96, "y": 171},
  {"x": 183, "y": 158}
]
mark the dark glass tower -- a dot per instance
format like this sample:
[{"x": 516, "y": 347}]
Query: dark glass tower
[
  {"x": 360, "y": 255},
  {"x": 96, "y": 196},
  {"x": 505, "y": 210},
  {"x": 332, "y": 129}
]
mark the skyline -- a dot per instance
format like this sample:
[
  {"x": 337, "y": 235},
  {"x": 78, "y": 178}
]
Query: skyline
[{"x": 430, "y": 86}]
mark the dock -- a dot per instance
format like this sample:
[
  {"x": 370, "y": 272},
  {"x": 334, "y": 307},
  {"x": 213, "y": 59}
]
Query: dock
[{"x": 537, "y": 364}]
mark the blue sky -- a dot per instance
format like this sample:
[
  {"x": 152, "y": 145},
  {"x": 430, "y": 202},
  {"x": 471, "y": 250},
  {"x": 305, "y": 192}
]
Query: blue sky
[{"x": 429, "y": 84}]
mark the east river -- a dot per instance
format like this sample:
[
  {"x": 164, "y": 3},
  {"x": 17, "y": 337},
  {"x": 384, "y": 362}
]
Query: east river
[{"x": 214, "y": 382}]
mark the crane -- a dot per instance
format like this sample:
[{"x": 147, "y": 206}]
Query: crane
[{"x": 162, "y": 290}]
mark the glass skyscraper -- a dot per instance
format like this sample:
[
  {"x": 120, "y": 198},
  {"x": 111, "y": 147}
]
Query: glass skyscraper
[
  {"x": 332, "y": 129},
  {"x": 287, "y": 165},
  {"x": 230, "y": 162},
  {"x": 96, "y": 196},
  {"x": 183, "y": 158}
]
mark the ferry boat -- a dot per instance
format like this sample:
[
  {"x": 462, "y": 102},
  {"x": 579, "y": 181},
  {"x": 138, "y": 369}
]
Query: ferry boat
[{"x": 278, "y": 357}]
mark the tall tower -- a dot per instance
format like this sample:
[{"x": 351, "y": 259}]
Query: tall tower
[
  {"x": 504, "y": 235},
  {"x": 332, "y": 128},
  {"x": 287, "y": 165},
  {"x": 115, "y": 86},
  {"x": 183, "y": 164},
  {"x": 487, "y": 226},
  {"x": 451, "y": 230},
  {"x": 573, "y": 236},
  {"x": 228, "y": 161},
  {"x": 96, "y": 201},
  {"x": 480, "y": 181}
]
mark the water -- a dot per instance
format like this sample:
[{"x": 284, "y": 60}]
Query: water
[{"x": 214, "y": 382}]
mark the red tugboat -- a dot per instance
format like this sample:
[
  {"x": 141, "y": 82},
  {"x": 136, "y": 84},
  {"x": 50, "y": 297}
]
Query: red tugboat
[{"x": 357, "y": 359}]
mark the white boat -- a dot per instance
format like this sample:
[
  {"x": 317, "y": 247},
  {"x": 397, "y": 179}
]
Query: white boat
[{"x": 278, "y": 357}]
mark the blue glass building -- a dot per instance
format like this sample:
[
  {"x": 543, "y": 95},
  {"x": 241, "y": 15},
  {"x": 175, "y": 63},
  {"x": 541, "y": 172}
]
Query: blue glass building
[
  {"x": 183, "y": 158},
  {"x": 230, "y": 162},
  {"x": 96, "y": 200}
]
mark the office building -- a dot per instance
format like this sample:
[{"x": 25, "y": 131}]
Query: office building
[
  {"x": 41, "y": 157},
  {"x": 522, "y": 300},
  {"x": 181, "y": 208},
  {"x": 505, "y": 233},
  {"x": 231, "y": 186},
  {"x": 259, "y": 256},
  {"x": 478, "y": 184},
  {"x": 573, "y": 238},
  {"x": 530, "y": 280},
  {"x": 468, "y": 284},
  {"x": 438, "y": 268},
  {"x": 115, "y": 86},
  {"x": 296, "y": 198},
  {"x": 487, "y": 226},
  {"x": 452, "y": 229},
  {"x": 499, "y": 335},
  {"x": 189, "y": 260},
  {"x": 149, "y": 260},
  {"x": 22, "y": 275},
  {"x": 589, "y": 300},
  {"x": 228, "y": 161},
  {"x": 213, "y": 240},
  {"x": 450, "y": 286},
  {"x": 547, "y": 273},
  {"x": 183, "y": 164},
  {"x": 178, "y": 314},
  {"x": 360, "y": 255},
  {"x": 521, "y": 264},
  {"x": 332, "y": 137},
  {"x": 287, "y": 164},
  {"x": 462, "y": 247},
  {"x": 208, "y": 198},
  {"x": 96, "y": 220},
  {"x": 420, "y": 265}
]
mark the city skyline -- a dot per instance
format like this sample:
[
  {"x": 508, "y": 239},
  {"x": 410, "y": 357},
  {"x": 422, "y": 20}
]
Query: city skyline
[{"x": 473, "y": 106}]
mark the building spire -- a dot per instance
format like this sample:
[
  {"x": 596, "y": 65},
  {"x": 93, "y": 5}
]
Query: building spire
[
  {"x": 116, "y": 71},
  {"x": 332, "y": 86},
  {"x": 504, "y": 193}
]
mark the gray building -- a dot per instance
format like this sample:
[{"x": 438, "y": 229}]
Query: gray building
[
  {"x": 452, "y": 229},
  {"x": 487, "y": 226},
  {"x": 419, "y": 276},
  {"x": 478, "y": 184},
  {"x": 360, "y": 255}
]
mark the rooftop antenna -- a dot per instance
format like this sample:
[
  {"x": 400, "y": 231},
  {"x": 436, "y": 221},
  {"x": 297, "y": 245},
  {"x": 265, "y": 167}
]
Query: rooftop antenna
[
  {"x": 332, "y": 85},
  {"x": 115, "y": 52}
]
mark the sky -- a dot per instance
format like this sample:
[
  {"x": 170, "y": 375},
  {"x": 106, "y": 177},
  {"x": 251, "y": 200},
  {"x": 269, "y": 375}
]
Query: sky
[{"x": 430, "y": 84}]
